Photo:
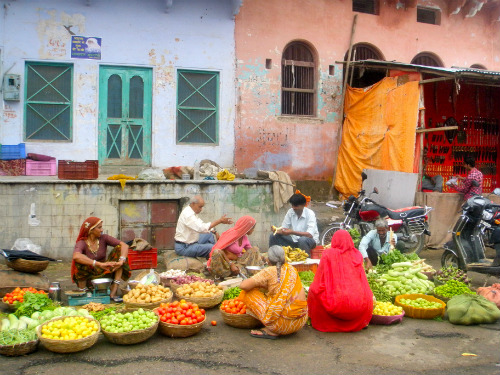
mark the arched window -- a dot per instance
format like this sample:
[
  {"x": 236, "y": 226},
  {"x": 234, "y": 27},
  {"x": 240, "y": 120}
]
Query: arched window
[
  {"x": 362, "y": 77},
  {"x": 427, "y": 59},
  {"x": 478, "y": 66},
  {"x": 298, "y": 82}
]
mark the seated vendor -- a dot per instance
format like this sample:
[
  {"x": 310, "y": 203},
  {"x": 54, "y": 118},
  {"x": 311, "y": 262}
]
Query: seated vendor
[
  {"x": 192, "y": 236},
  {"x": 376, "y": 242},
  {"x": 233, "y": 251},
  {"x": 90, "y": 261},
  {"x": 283, "y": 309},
  {"x": 299, "y": 228}
]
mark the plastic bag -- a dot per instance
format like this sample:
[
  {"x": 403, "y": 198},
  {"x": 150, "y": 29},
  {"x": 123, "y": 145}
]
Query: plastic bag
[
  {"x": 491, "y": 293},
  {"x": 151, "y": 278},
  {"x": 151, "y": 174},
  {"x": 467, "y": 309},
  {"x": 26, "y": 244}
]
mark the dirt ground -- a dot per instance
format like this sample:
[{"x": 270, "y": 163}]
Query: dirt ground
[{"x": 415, "y": 346}]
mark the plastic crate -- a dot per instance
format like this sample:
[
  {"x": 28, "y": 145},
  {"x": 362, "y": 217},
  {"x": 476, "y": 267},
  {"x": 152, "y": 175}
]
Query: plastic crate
[
  {"x": 143, "y": 259},
  {"x": 41, "y": 168},
  {"x": 11, "y": 152},
  {"x": 317, "y": 252},
  {"x": 74, "y": 170},
  {"x": 13, "y": 167},
  {"x": 306, "y": 267}
]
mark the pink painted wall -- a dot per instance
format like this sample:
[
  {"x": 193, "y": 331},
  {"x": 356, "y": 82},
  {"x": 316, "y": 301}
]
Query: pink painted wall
[{"x": 306, "y": 148}]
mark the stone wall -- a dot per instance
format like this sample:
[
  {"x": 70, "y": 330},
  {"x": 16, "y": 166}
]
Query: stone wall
[{"x": 58, "y": 207}]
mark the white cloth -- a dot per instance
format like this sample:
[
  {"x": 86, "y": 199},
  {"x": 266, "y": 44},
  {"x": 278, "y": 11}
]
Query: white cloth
[
  {"x": 189, "y": 226},
  {"x": 372, "y": 239},
  {"x": 305, "y": 223}
]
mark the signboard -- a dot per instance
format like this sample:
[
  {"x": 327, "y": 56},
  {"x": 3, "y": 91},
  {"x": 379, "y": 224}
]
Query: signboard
[{"x": 85, "y": 48}]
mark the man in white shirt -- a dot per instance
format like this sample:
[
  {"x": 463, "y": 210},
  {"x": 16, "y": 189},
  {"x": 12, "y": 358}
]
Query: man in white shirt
[
  {"x": 376, "y": 242},
  {"x": 192, "y": 236},
  {"x": 299, "y": 227}
]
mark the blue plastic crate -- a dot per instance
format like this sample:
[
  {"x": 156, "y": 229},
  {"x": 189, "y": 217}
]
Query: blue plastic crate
[{"x": 11, "y": 152}]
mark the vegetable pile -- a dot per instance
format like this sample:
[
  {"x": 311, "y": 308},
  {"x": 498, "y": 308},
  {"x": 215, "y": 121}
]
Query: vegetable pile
[
  {"x": 130, "y": 321},
  {"x": 356, "y": 237},
  {"x": 180, "y": 312},
  {"x": 199, "y": 289},
  {"x": 18, "y": 294},
  {"x": 420, "y": 303},
  {"x": 234, "y": 306},
  {"x": 452, "y": 288},
  {"x": 147, "y": 294},
  {"x": 70, "y": 328},
  {"x": 33, "y": 303},
  {"x": 98, "y": 315},
  {"x": 451, "y": 273},
  {"x": 387, "y": 309},
  {"x": 395, "y": 256},
  {"x": 306, "y": 277},
  {"x": 378, "y": 290},
  {"x": 173, "y": 273},
  {"x": 188, "y": 279},
  {"x": 404, "y": 278},
  {"x": 14, "y": 336},
  {"x": 231, "y": 293},
  {"x": 295, "y": 255}
]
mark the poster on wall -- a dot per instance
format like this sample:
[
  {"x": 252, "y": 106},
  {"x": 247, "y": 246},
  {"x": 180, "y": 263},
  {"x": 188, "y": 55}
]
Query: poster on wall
[{"x": 83, "y": 47}]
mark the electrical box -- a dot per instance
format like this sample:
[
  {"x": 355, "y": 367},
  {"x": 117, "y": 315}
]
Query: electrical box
[{"x": 11, "y": 87}]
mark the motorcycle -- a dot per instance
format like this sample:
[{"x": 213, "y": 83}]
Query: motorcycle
[
  {"x": 477, "y": 227},
  {"x": 409, "y": 223}
]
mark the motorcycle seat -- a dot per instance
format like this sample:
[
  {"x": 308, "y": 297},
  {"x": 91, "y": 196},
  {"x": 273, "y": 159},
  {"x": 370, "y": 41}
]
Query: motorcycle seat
[{"x": 405, "y": 213}]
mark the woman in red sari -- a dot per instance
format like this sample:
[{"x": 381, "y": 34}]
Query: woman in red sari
[
  {"x": 90, "y": 260},
  {"x": 340, "y": 299}
]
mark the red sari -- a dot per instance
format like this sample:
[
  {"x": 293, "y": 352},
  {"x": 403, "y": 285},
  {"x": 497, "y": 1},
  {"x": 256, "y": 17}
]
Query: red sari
[{"x": 340, "y": 299}]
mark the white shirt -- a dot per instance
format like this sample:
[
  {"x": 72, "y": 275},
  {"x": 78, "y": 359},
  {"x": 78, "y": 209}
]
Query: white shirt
[
  {"x": 305, "y": 223},
  {"x": 189, "y": 226},
  {"x": 372, "y": 239}
]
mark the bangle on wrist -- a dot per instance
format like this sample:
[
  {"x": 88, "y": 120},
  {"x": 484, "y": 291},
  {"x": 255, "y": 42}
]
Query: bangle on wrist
[
  {"x": 93, "y": 264},
  {"x": 122, "y": 258}
]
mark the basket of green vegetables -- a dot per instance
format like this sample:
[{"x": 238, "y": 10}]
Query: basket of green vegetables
[{"x": 15, "y": 342}]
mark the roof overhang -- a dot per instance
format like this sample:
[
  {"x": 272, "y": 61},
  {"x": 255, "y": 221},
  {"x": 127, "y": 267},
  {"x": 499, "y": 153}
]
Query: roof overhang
[{"x": 466, "y": 75}]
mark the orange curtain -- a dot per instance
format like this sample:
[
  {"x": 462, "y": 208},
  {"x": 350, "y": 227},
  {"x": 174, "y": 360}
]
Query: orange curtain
[{"x": 378, "y": 131}]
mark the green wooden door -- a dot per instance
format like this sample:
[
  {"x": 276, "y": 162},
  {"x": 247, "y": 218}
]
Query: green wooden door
[{"x": 125, "y": 115}]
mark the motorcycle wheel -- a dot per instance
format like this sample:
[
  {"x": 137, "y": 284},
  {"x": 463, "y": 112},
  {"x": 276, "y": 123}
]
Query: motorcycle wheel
[
  {"x": 325, "y": 237},
  {"x": 414, "y": 244},
  {"x": 449, "y": 259}
]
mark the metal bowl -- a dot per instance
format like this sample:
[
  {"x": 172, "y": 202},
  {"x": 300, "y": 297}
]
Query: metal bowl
[{"x": 102, "y": 284}]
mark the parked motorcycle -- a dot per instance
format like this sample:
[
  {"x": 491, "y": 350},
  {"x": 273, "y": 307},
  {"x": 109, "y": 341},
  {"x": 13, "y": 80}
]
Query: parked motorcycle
[
  {"x": 477, "y": 226},
  {"x": 409, "y": 223}
]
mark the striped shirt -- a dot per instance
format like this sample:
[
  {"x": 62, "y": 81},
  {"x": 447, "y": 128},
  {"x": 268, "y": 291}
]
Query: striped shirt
[{"x": 467, "y": 188}]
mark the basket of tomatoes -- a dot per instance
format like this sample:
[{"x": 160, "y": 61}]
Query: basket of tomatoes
[
  {"x": 234, "y": 314},
  {"x": 180, "y": 318},
  {"x": 17, "y": 295}
]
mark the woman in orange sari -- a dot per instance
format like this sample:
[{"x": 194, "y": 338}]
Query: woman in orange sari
[{"x": 283, "y": 309}]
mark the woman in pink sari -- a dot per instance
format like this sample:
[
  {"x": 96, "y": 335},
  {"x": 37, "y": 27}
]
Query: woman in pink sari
[{"x": 233, "y": 251}]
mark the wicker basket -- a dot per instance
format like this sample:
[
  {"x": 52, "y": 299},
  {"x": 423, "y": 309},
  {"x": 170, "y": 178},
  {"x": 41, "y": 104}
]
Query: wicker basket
[
  {"x": 240, "y": 320},
  {"x": 176, "y": 330},
  {"x": 132, "y": 337},
  {"x": 444, "y": 299},
  {"x": 29, "y": 266},
  {"x": 173, "y": 286},
  {"x": 148, "y": 306},
  {"x": 8, "y": 306},
  {"x": 68, "y": 346},
  {"x": 19, "y": 349},
  {"x": 417, "y": 312},
  {"x": 203, "y": 302}
]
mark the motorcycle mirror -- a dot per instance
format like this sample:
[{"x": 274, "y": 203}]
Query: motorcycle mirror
[
  {"x": 375, "y": 191},
  {"x": 363, "y": 176},
  {"x": 496, "y": 191}
]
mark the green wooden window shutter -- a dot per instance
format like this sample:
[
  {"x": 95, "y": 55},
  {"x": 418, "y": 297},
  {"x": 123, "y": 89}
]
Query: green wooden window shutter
[
  {"x": 197, "y": 107},
  {"x": 48, "y": 102}
]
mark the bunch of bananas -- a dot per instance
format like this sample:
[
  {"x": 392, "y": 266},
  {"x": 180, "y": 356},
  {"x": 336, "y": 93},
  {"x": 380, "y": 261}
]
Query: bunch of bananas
[{"x": 294, "y": 255}]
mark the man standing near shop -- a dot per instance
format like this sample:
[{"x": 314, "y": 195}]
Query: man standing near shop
[
  {"x": 299, "y": 227},
  {"x": 193, "y": 237},
  {"x": 473, "y": 183}
]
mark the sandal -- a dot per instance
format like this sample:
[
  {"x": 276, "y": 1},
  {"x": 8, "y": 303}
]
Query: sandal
[{"x": 263, "y": 335}]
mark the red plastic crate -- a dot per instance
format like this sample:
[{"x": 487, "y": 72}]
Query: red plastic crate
[
  {"x": 306, "y": 267},
  {"x": 317, "y": 252},
  {"x": 13, "y": 167},
  {"x": 41, "y": 168},
  {"x": 143, "y": 259},
  {"x": 73, "y": 170}
]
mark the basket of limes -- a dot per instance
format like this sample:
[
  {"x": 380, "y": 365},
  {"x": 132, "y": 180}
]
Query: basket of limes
[{"x": 385, "y": 313}]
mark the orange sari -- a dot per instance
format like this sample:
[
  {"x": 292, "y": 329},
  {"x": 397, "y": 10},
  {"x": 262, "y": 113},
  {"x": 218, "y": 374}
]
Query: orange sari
[{"x": 279, "y": 311}]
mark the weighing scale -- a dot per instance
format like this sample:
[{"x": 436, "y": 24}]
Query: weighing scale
[{"x": 77, "y": 298}]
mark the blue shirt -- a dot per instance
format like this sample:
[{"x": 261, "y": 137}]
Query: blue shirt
[
  {"x": 372, "y": 239},
  {"x": 305, "y": 223}
]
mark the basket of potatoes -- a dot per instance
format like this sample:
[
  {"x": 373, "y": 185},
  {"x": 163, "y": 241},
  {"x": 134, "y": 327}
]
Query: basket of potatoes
[
  {"x": 147, "y": 296},
  {"x": 203, "y": 293}
]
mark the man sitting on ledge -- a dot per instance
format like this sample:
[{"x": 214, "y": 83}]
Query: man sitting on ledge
[{"x": 192, "y": 236}]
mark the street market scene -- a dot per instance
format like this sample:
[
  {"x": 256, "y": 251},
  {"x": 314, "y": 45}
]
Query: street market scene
[{"x": 250, "y": 187}]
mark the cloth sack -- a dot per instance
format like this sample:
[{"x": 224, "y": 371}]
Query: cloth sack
[
  {"x": 468, "y": 309},
  {"x": 139, "y": 244},
  {"x": 491, "y": 293}
]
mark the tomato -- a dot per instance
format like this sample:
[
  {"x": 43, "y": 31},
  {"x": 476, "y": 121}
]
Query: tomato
[
  {"x": 200, "y": 319},
  {"x": 213, "y": 322},
  {"x": 170, "y": 309},
  {"x": 175, "y": 321},
  {"x": 202, "y": 311},
  {"x": 184, "y": 306},
  {"x": 168, "y": 315},
  {"x": 175, "y": 303},
  {"x": 163, "y": 318}
]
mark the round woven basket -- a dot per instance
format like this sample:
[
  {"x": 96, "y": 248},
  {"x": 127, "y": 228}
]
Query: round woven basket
[
  {"x": 148, "y": 306},
  {"x": 19, "y": 349},
  {"x": 132, "y": 337},
  {"x": 240, "y": 320},
  {"x": 176, "y": 330},
  {"x": 8, "y": 306},
  {"x": 29, "y": 266},
  {"x": 203, "y": 302},
  {"x": 68, "y": 346},
  {"x": 173, "y": 286}
]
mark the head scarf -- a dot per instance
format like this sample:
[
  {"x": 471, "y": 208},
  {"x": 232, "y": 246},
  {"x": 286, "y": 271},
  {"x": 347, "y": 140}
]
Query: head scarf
[
  {"x": 230, "y": 236},
  {"x": 342, "y": 242},
  {"x": 276, "y": 256},
  {"x": 89, "y": 224}
]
